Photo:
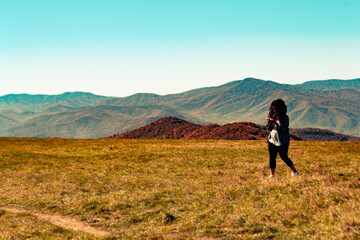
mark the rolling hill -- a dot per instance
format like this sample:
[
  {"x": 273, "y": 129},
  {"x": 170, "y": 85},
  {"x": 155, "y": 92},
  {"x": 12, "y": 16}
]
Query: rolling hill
[
  {"x": 175, "y": 128},
  {"x": 85, "y": 115},
  {"x": 316, "y": 134}
]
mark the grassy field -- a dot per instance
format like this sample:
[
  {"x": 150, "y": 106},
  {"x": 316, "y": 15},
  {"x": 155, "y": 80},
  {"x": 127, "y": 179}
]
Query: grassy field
[{"x": 163, "y": 189}]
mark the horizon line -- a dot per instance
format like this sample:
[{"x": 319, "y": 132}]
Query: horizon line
[{"x": 79, "y": 91}]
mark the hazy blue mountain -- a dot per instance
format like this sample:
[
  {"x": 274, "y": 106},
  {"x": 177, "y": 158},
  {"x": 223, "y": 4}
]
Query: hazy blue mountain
[
  {"x": 93, "y": 122},
  {"x": 7, "y": 122},
  {"x": 332, "y": 84},
  {"x": 38, "y": 103}
]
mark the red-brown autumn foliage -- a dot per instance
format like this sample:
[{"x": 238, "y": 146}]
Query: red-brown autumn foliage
[{"x": 175, "y": 128}]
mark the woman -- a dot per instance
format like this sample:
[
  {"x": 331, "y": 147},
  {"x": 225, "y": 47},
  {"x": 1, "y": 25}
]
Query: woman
[{"x": 279, "y": 138}]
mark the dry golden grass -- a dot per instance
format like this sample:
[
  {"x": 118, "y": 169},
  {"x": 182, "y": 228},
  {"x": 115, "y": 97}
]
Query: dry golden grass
[{"x": 163, "y": 189}]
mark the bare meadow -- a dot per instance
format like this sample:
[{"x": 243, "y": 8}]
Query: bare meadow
[{"x": 174, "y": 189}]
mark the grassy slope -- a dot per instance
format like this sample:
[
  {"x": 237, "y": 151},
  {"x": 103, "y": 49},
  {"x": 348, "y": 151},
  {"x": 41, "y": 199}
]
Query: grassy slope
[
  {"x": 27, "y": 226},
  {"x": 181, "y": 189}
]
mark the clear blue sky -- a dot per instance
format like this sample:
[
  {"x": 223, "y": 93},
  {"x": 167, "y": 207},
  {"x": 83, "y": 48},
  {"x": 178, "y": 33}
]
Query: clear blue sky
[{"x": 121, "y": 47}]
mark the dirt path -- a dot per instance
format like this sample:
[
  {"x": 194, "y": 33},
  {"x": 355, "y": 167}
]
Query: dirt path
[{"x": 62, "y": 221}]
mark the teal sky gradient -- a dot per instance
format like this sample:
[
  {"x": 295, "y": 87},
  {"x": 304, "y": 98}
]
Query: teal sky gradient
[{"x": 123, "y": 47}]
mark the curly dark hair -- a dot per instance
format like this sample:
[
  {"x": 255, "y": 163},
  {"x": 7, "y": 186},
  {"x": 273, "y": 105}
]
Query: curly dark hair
[{"x": 280, "y": 107}]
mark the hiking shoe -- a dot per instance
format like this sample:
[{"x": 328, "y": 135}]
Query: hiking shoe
[
  {"x": 271, "y": 176},
  {"x": 295, "y": 174}
]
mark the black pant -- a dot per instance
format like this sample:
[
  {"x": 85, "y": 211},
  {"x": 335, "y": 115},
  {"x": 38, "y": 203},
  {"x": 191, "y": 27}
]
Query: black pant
[{"x": 283, "y": 152}]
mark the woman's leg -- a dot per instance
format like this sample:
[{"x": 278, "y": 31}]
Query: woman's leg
[
  {"x": 283, "y": 152},
  {"x": 272, "y": 157}
]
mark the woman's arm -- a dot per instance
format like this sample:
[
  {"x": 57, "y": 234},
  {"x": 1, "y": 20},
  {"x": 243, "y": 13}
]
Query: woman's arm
[{"x": 282, "y": 125}]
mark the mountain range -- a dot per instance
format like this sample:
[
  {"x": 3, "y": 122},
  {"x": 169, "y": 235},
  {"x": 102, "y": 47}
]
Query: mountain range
[{"x": 327, "y": 104}]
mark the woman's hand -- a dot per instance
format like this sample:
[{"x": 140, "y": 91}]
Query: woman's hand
[{"x": 270, "y": 123}]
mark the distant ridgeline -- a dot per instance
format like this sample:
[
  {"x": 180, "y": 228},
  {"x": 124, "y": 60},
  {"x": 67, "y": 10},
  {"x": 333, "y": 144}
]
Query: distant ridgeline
[{"x": 330, "y": 104}]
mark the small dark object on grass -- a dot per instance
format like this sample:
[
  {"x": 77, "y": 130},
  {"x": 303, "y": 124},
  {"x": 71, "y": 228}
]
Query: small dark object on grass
[
  {"x": 2, "y": 212},
  {"x": 169, "y": 218}
]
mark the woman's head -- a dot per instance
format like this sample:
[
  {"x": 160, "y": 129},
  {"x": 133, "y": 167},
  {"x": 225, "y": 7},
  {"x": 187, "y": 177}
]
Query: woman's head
[{"x": 279, "y": 107}]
